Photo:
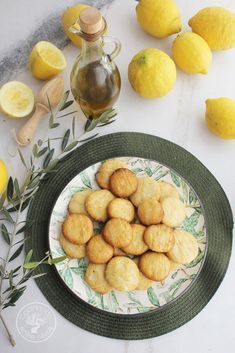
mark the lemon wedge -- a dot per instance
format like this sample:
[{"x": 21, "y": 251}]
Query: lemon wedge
[
  {"x": 46, "y": 60},
  {"x": 16, "y": 99}
]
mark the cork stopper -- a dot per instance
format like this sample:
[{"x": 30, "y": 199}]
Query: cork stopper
[{"x": 91, "y": 20}]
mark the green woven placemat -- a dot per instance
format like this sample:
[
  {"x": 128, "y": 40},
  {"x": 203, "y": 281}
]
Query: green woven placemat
[{"x": 219, "y": 224}]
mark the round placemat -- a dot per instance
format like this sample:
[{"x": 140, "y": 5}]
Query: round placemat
[{"x": 219, "y": 224}]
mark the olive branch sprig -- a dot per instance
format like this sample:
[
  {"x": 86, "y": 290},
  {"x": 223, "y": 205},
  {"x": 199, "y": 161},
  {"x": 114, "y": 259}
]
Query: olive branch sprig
[{"x": 15, "y": 200}]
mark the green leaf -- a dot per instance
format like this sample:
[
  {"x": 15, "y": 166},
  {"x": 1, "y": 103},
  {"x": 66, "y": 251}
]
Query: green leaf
[
  {"x": 89, "y": 138},
  {"x": 133, "y": 298},
  {"x": 28, "y": 256},
  {"x": 175, "y": 178},
  {"x": 25, "y": 227},
  {"x": 54, "y": 125},
  {"x": 107, "y": 115},
  {"x": 5, "y": 234},
  {"x": 65, "y": 139},
  {"x": 174, "y": 274},
  {"x": 176, "y": 285},
  {"x": 148, "y": 171},
  {"x": 153, "y": 297},
  {"x": 17, "y": 188},
  {"x": 192, "y": 197},
  {"x": 6, "y": 213},
  {"x": 190, "y": 222},
  {"x": 51, "y": 120},
  {"x": 91, "y": 124},
  {"x": 48, "y": 158},
  {"x": 56, "y": 260},
  {"x": 40, "y": 142},
  {"x": 185, "y": 191},
  {"x": 108, "y": 123},
  {"x": 66, "y": 105},
  {"x": 63, "y": 100},
  {"x": 85, "y": 179},
  {"x": 42, "y": 151},
  {"x": 30, "y": 265},
  {"x": 35, "y": 150},
  {"x": 73, "y": 127},
  {"x": 22, "y": 158},
  {"x": 67, "y": 276},
  {"x": 10, "y": 189},
  {"x": 16, "y": 253},
  {"x": 52, "y": 165},
  {"x": 71, "y": 146}
]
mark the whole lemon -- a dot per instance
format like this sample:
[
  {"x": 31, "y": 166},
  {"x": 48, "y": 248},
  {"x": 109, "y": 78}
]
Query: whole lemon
[
  {"x": 152, "y": 73},
  {"x": 191, "y": 53},
  {"x": 216, "y": 25},
  {"x": 3, "y": 176},
  {"x": 69, "y": 17},
  {"x": 159, "y": 18},
  {"x": 220, "y": 117}
]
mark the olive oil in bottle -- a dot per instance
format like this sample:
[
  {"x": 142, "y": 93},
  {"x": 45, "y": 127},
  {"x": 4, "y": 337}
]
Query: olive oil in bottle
[{"x": 95, "y": 79}]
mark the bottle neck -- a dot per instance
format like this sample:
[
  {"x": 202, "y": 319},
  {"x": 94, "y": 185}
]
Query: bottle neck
[{"x": 92, "y": 50}]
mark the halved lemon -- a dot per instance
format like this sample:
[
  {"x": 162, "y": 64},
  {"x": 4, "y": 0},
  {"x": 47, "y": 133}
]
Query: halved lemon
[
  {"x": 46, "y": 60},
  {"x": 16, "y": 99}
]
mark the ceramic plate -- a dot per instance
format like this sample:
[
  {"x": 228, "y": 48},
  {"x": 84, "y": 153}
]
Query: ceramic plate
[{"x": 72, "y": 271}]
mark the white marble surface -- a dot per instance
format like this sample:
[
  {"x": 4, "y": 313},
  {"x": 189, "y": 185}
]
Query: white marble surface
[{"x": 177, "y": 117}]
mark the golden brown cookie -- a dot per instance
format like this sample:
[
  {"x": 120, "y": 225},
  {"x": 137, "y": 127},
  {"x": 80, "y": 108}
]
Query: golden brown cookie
[
  {"x": 106, "y": 170},
  {"x": 98, "y": 251},
  {"x": 144, "y": 282},
  {"x": 147, "y": 188},
  {"x": 77, "y": 228},
  {"x": 174, "y": 212},
  {"x": 137, "y": 246},
  {"x": 117, "y": 232},
  {"x": 185, "y": 249},
  {"x": 77, "y": 202},
  {"x": 150, "y": 211},
  {"x": 118, "y": 252},
  {"x": 123, "y": 182},
  {"x": 167, "y": 190},
  {"x": 72, "y": 250},
  {"x": 155, "y": 266},
  {"x": 95, "y": 277},
  {"x": 122, "y": 273},
  {"x": 97, "y": 203},
  {"x": 121, "y": 208},
  {"x": 159, "y": 238}
]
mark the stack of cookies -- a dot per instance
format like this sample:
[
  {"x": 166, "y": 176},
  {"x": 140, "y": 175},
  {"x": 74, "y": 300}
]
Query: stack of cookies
[{"x": 140, "y": 241}]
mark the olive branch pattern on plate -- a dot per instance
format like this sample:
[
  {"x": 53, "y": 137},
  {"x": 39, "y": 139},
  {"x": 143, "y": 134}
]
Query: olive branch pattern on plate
[{"x": 72, "y": 271}]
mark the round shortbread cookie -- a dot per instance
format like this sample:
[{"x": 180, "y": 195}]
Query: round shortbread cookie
[
  {"x": 72, "y": 250},
  {"x": 97, "y": 203},
  {"x": 117, "y": 232},
  {"x": 147, "y": 188},
  {"x": 77, "y": 202},
  {"x": 122, "y": 273},
  {"x": 98, "y": 251},
  {"x": 106, "y": 170},
  {"x": 185, "y": 249},
  {"x": 167, "y": 190},
  {"x": 144, "y": 282},
  {"x": 159, "y": 238},
  {"x": 155, "y": 266},
  {"x": 137, "y": 245},
  {"x": 150, "y": 211},
  {"x": 123, "y": 182},
  {"x": 121, "y": 208},
  {"x": 174, "y": 212},
  {"x": 95, "y": 277},
  {"x": 77, "y": 228}
]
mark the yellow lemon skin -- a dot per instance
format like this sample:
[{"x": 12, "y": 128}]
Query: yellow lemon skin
[
  {"x": 159, "y": 18},
  {"x": 220, "y": 117},
  {"x": 152, "y": 73},
  {"x": 3, "y": 176},
  {"x": 216, "y": 25},
  {"x": 46, "y": 60},
  {"x": 191, "y": 53},
  {"x": 16, "y": 99},
  {"x": 69, "y": 17}
]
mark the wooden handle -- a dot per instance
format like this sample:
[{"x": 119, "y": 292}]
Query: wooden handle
[{"x": 27, "y": 131}]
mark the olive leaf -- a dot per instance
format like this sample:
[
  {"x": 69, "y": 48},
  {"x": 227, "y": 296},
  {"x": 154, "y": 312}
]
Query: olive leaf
[
  {"x": 153, "y": 297},
  {"x": 5, "y": 234},
  {"x": 65, "y": 139},
  {"x": 16, "y": 253},
  {"x": 10, "y": 189}
]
